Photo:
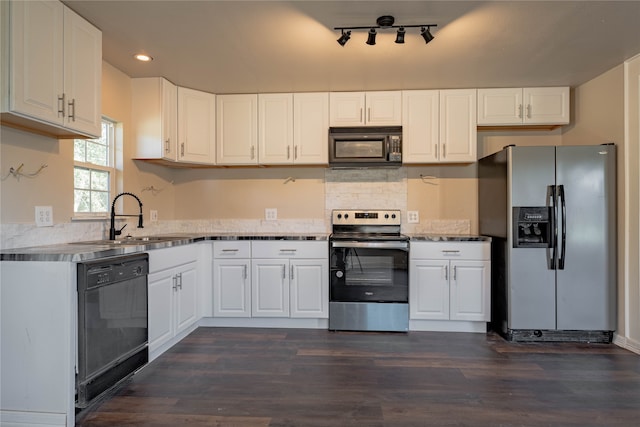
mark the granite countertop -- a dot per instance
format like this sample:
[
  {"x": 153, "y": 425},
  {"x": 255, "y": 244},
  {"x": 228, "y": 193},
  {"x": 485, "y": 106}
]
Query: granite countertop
[{"x": 94, "y": 249}]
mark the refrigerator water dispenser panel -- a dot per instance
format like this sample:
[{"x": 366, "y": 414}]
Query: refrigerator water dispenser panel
[{"x": 532, "y": 227}]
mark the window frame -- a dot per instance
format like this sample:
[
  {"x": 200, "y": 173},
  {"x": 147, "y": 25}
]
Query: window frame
[{"x": 111, "y": 169}]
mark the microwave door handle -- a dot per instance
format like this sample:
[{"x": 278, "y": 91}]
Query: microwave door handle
[{"x": 387, "y": 140}]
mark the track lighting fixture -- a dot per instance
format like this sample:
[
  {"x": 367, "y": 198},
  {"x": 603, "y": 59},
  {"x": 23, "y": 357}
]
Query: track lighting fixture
[
  {"x": 385, "y": 22},
  {"x": 371, "y": 40},
  {"x": 344, "y": 38}
]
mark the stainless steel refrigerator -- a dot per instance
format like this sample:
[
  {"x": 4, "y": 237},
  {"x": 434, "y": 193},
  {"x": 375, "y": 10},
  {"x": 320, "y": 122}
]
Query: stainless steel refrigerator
[{"x": 551, "y": 213}]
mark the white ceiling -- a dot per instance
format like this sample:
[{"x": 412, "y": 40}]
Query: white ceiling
[{"x": 290, "y": 46}]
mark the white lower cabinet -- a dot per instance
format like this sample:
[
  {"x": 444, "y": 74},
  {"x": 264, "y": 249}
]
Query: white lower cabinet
[
  {"x": 173, "y": 292},
  {"x": 232, "y": 278},
  {"x": 450, "y": 281},
  {"x": 278, "y": 279}
]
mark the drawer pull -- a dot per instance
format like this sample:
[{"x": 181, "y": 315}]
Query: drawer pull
[
  {"x": 288, "y": 250},
  {"x": 450, "y": 251},
  {"x": 230, "y": 250}
]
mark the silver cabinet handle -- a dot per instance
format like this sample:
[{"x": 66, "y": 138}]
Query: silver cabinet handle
[
  {"x": 369, "y": 114},
  {"x": 288, "y": 152},
  {"x": 167, "y": 147},
  {"x": 455, "y": 270},
  {"x": 529, "y": 111},
  {"x": 230, "y": 250},
  {"x": 61, "y": 101},
  {"x": 436, "y": 150},
  {"x": 291, "y": 275},
  {"x": 175, "y": 283},
  {"x": 179, "y": 275},
  {"x": 446, "y": 272},
  {"x": 253, "y": 152},
  {"x": 295, "y": 152},
  {"x": 450, "y": 251},
  {"x": 444, "y": 151},
  {"x": 520, "y": 111},
  {"x": 284, "y": 272},
  {"x": 182, "y": 150},
  {"x": 361, "y": 114},
  {"x": 72, "y": 110},
  {"x": 288, "y": 250},
  {"x": 245, "y": 272}
]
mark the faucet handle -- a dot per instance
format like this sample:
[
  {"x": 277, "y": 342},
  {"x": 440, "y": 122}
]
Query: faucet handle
[{"x": 119, "y": 232}]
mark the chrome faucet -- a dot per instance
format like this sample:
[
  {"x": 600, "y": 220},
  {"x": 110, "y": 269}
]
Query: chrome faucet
[{"x": 112, "y": 230}]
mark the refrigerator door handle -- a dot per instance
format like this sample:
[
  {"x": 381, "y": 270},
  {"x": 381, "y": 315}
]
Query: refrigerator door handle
[
  {"x": 553, "y": 247},
  {"x": 563, "y": 232}
]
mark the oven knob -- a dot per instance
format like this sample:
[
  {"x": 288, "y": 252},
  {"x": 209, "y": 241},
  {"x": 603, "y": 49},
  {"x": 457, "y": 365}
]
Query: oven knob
[
  {"x": 346, "y": 216},
  {"x": 339, "y": 216},
  {"x": 386, "y": 216},
  {"x": 393, "y": 216},
  {"x": 339, "y": 274}
]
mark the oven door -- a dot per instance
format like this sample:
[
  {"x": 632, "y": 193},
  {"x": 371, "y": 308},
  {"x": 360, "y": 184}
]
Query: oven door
[{"x": 369, "y": 271}]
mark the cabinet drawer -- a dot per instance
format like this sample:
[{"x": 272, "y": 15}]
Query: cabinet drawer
[
  {"x": 289, "y": 249},
  {"x": 232, "y": 249},
  {"x": 450, "y": 250},
  {"x": 161, "y": 259}
]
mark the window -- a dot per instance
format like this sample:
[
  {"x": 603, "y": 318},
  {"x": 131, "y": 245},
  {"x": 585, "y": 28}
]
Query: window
[{"x": 94, "y": 173}]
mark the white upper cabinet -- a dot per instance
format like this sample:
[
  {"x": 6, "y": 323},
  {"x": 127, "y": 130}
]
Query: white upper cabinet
[
  {"x": 310, "y": 128},
  {"x": 275, "y": 128},
  {"x": 196, "y": 126},
  {"x": 54, "y": 69},
  {"x": 237, "y": 129},
  {"x": 458, "y": 128},
  {"x": 524, "y": 106},
  {"x": 155, "y": 118},
  {"x": 420, "y": 126},
  {"x": 382, "y": 108}
]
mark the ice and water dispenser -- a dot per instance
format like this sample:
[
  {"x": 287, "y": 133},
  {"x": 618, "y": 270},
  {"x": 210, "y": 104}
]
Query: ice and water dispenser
[{"x": 532, "y": 227}]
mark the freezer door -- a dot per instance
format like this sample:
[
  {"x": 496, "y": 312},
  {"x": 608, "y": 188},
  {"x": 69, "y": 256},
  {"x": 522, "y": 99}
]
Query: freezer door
[
  {"x": 586, "y": 278},
  {"x": 531, "y": 292}
]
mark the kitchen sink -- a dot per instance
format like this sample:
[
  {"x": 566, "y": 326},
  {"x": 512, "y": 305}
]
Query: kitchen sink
[{"x": 133, "y": 240}]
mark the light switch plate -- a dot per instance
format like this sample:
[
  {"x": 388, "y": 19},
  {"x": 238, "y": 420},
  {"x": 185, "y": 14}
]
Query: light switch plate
[
  {"x": 44, "y": 216},
  {"x": 413, "y": 217},
  {"x": 153, "y": 215},
  {"x": 271, "y": 214}
]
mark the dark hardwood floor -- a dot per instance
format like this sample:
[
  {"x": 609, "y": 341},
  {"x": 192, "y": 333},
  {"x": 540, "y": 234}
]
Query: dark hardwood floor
[{"x": 302, "y": 377}]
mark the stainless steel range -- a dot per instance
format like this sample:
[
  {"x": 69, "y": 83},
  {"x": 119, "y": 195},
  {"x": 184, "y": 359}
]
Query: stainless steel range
[{"x": 369, "y": 281}]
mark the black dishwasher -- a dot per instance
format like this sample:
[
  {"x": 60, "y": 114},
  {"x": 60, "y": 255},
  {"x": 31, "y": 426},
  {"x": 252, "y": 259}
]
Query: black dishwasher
[{"x": 112, "y": 323}]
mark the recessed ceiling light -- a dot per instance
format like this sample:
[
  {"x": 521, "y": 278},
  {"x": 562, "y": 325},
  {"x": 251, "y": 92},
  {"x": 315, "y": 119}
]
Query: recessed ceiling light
[{"x": 142, "y": 57}]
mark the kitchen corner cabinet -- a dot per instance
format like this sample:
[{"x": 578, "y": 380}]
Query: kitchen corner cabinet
[
  {"x": 155, "y": 118},
  {"x": 289, "y": 279},
  {"x": 196, "y": 126},
  {"x": 383, "y": 108},
  {"x": 232, "y": 278},
  {"x": 52, "y": 66},
  {"x": 524, "y": 106},
  {"x": 173, "y": 291},
  {"x": 450, "y": 281},
  {"x": 237, "y": 129}
]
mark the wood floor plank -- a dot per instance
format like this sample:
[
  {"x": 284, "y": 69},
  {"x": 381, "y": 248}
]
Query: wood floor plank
[{"x": 317, "y": 378}]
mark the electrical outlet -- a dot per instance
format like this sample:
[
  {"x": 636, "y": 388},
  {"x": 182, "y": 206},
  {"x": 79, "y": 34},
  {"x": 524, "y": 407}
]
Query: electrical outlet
[
  {"x": 153, "y": 215},
  {"x": 44, "y": 216},
  {"x": 413, "y": 217},
  {"x": 271, "y": 214}
]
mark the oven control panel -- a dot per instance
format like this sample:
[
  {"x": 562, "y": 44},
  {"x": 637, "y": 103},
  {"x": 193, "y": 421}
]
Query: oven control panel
[{"x": 368, "y": 217}]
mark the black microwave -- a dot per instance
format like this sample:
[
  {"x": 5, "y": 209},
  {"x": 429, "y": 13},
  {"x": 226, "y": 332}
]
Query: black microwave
[{"x": 365, "y": 146}]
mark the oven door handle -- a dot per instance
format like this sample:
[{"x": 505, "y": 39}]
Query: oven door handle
[{"x": 375, "y": 245}]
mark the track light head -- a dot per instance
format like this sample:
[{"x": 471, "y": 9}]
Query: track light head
[
  {"x": 400, "y": 35},
  {"x": 371, "y": 39},
  {"x": 344, "y": 38},
  {"x": 426, "y": 34}
]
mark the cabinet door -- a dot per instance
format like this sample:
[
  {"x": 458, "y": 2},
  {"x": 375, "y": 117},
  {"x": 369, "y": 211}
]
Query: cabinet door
[
  {"x": 501, "y": 106},
  {"x": 154, "y": 111},
  {"x": 82, "y": 74},
  {"x": 420, "y": 126},
  {"x": 186, "y": 296},
  {"x": 36, "y": 74},
  {"x": 275, "y": 128},
  {"x": 231, "y": 288},
  {"x": 458, "y": 129},
  {"x": 169, "y": 114},
  {"x": 429, "y": 289},
  {"x": 161, "y": 314},
  {"x": 270, "y": 288},
  {"x": 196, "y": 126},
  {"x": 470, "y": 290},
  {"x": 309, "y": 288},
  {"x": 310, "y": 128},
  {"x": 546, "y": 105},
  {"x": 237, "y": 129},
  {"x": 384, "y": 108},
  {"x": 347, "y": 108}
]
